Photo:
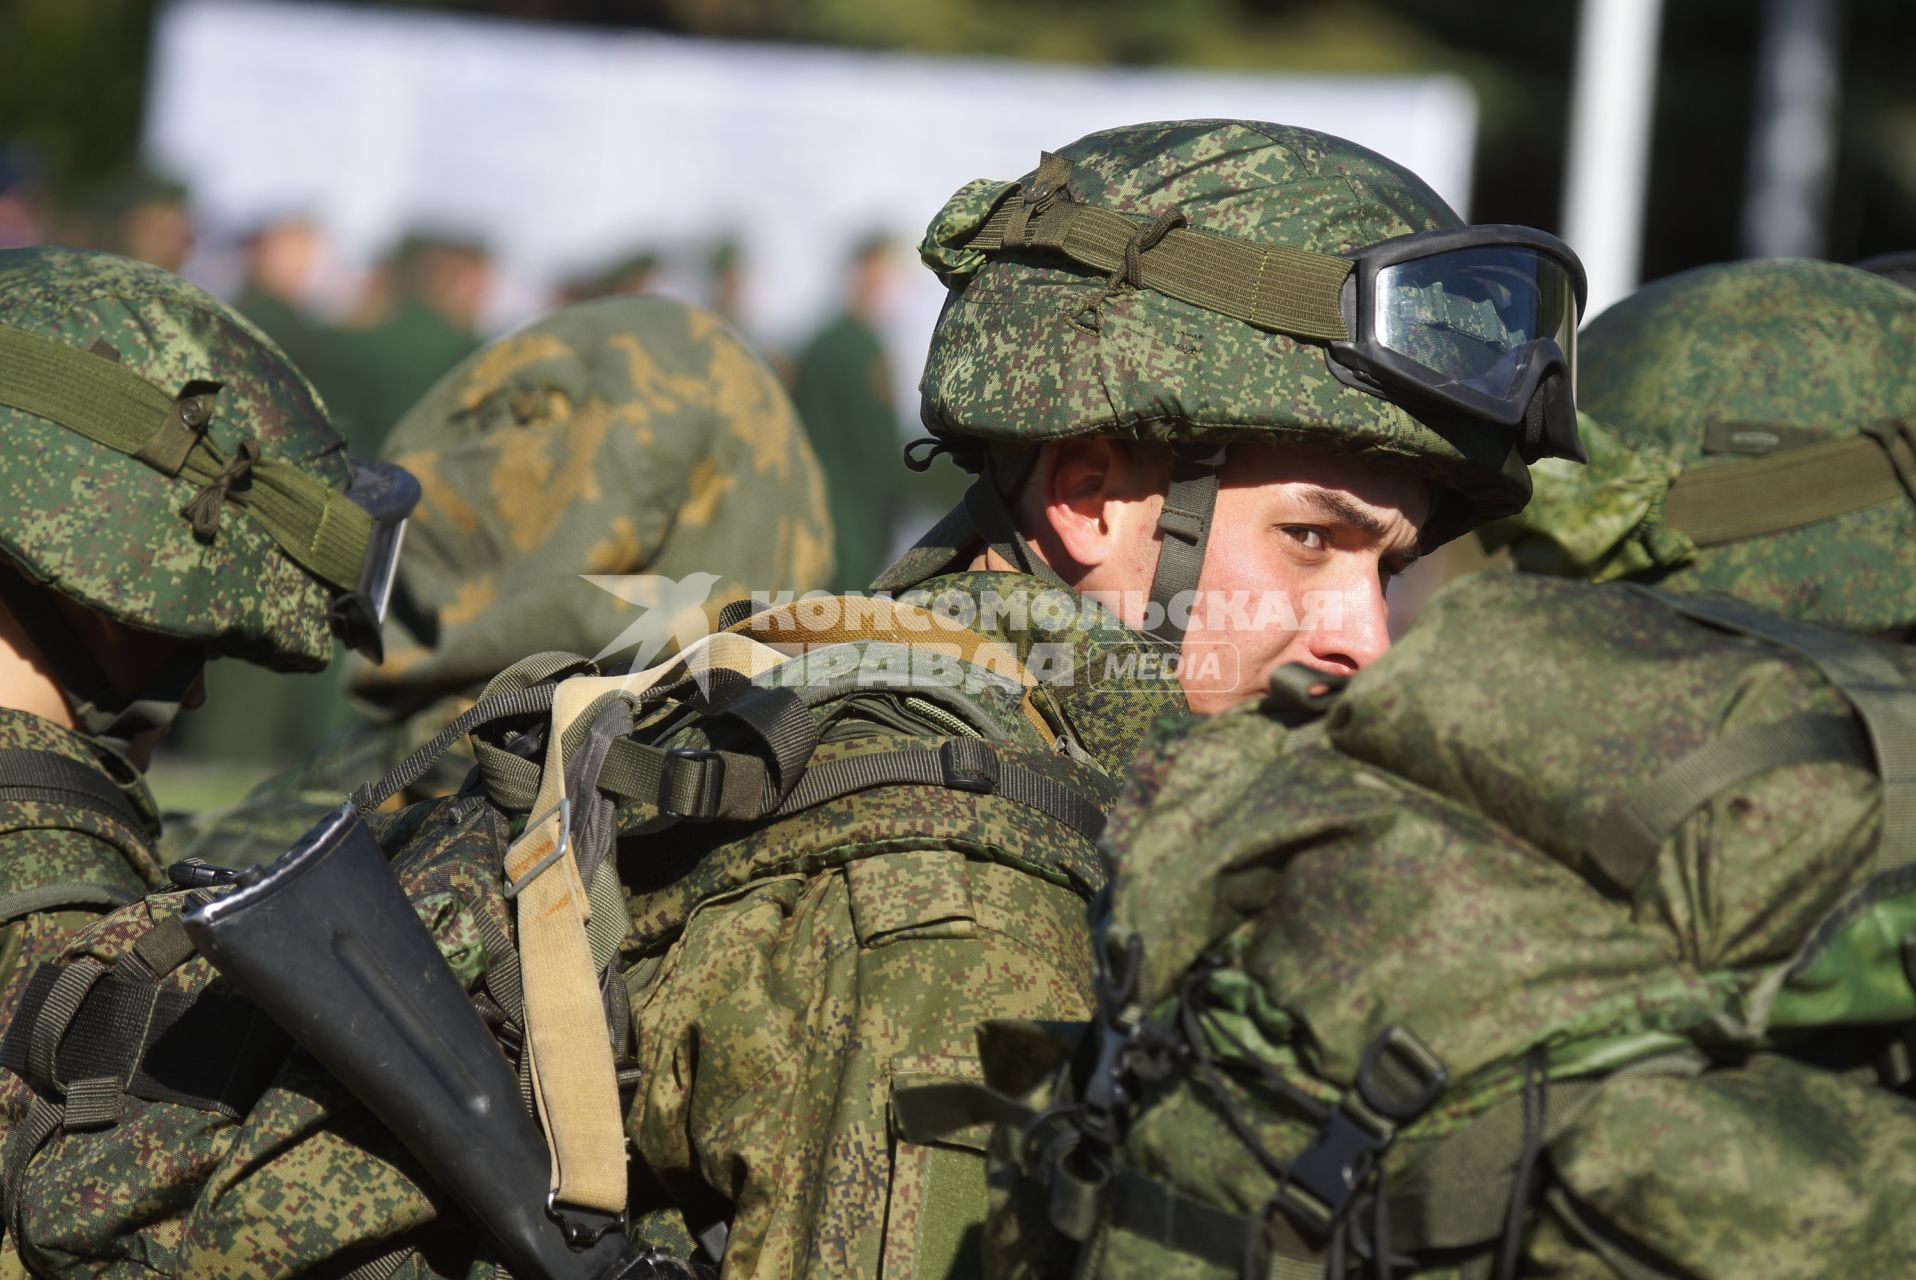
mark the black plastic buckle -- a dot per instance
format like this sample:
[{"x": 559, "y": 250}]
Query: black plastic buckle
[
  {"x": 711, "y": 783},
  {"x": 968, "y": 766},
  {"x": 582, "y": 1228},
  {"x": 1326, "y": 1177}
]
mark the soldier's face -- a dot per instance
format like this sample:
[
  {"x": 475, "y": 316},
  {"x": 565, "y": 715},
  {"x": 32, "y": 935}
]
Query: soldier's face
[{"x": 1302, "y": 549}]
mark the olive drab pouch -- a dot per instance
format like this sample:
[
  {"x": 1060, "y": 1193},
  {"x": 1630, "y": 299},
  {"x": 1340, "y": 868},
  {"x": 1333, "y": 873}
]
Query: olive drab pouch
[{"x": 1567, "y": 942}]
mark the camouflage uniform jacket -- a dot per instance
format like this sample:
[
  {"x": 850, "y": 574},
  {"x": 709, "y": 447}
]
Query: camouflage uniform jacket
[
  {"x": 785, "y": 983},
  {"x": 62, "y": 863},
  {"x": 781, "y": 983}
]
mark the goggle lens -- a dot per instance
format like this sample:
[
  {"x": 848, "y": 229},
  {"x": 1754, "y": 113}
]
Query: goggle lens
[{"x": 1470, "y": 316}]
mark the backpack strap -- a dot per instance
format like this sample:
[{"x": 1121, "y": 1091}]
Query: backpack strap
[
  {"x": 1883, "y": 697},
  {"x": 32, "y": 776}
]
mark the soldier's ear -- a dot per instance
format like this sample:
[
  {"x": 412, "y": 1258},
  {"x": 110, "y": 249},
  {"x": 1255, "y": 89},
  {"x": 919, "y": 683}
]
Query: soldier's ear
[{"x": 1092, "y": 508}]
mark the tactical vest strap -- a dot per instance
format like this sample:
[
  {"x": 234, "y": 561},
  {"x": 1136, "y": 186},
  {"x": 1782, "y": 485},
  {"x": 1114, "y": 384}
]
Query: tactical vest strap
[{"x": 47, "y": 777}]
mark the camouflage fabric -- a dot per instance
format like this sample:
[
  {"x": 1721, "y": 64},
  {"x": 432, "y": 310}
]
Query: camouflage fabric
[
  {"x": 63, "y": 864},
  {"x": 1819, "y": 350},
  {"x": 1692, "y": 1049},
  {"x": 628, "y": 435},
  {"x": 78, "y": 515},
  {"x": 782, "y": 981},
  {"x": 631, "y": 437},
  {"x": 289, "y": 1172},
  {"x": 1030, "y": 349}
]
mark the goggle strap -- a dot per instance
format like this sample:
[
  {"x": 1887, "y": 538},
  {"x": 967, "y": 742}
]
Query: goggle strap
[
  {"x": 1730, "y": 501},
  {"x": 1275, "y": 288},
  {"x": 319, "y": 527}
]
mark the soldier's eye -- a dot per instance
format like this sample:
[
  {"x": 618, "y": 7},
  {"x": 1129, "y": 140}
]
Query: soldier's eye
[{"x": 1309, "y": 536}]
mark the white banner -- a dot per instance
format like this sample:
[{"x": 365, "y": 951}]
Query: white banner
[{"x": 562, "y": 147}]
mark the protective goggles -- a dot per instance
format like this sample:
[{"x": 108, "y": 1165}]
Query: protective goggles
[
  {"x": 388, "y": 494},
  {"x": 1482, "y": 320}
]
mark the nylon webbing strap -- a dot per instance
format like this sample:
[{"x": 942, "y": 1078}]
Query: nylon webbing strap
[
  {"x": 574, "y": 1081},
  {"x": 1185, "y": 523},
  {"x": 76, "y": 893},
  {"x": 1883, "y": 696},
  {"x": 27, "y": 775},
  {"x": 322, "y": 529},
  {"x": 1641, "y": 819},
  {"x": 1276, "y": 288},
  {"x": 1729, "y": 501},
  {"x": 952, "y": 767},
  {"x": 203, "y": 1050}
]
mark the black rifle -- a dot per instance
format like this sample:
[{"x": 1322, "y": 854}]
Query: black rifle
[{"x": 326, "y": 944}]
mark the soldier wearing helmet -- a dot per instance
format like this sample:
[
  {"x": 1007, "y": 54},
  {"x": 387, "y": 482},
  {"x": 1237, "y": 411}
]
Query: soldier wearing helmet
[
  {"x": 1191, "y": 364},
  {"x": 174, "y": 493},
  {"x": 1209, "y": 358},
  {"x": 1752, "y": 433},
  {"x": 600, "y": 482}
]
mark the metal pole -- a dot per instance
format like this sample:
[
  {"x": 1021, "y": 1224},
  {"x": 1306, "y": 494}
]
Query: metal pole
[
  {"x": 1793, "y": 130},
  {"x": 1612, "y": 105}
]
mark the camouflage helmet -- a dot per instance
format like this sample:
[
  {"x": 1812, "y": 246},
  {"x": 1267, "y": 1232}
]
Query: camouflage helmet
[
  {"x": 620, "y": 456},
  {"x": 1201, "y": 282},
  {"x": 1752, "y": 432},
  {"x": 166, "y": 465},
  {"x": 1036, "y": 345}
]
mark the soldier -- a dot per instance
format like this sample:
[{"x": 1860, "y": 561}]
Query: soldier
[
  {"x": 1570, "y": 941},
  {"x": 576, "y": 473},
  {"x": 169, "y": 473},
  {"x": 1196, "y": 361}
]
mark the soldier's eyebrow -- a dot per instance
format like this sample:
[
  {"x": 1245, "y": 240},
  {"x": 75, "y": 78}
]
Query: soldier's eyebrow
[{"x": 1335, "y": 506}]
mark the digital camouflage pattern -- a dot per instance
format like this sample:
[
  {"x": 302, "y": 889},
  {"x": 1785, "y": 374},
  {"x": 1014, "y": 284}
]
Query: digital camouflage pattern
[
  {"x": 61, "y": 865},
  {"x": 1021, "y": 353},
  {"x": 625, "y": 436},
  {"x": 786, "y": 982},
  {"x": 1821, "y": 349},
  {"x": 782, "y": 981},
  {"x": 1424, "y": 858},
  {"x": 292, "y": 1172},
  {"x": 106, "y": 529}
]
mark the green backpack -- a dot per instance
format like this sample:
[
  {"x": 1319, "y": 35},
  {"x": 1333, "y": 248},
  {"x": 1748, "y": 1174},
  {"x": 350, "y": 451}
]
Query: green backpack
[
  {"x": 1568, "y": 940},
  {"x": 157, "y": 1124}
]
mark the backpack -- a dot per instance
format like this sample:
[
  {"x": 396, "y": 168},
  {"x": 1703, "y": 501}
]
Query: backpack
[
  {"x": 157, "y": 1122},
  {"x": 1567, "y": 940}
]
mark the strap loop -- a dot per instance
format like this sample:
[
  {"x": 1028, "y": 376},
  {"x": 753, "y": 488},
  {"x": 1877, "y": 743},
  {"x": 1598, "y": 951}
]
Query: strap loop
[{"x": 229, "y": 483}]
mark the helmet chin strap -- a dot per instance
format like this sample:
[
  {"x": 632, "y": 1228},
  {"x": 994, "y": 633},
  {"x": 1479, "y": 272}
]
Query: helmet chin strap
[
  {"x": 1184, "y": 527},
  {"x": 101, "y": 711}
]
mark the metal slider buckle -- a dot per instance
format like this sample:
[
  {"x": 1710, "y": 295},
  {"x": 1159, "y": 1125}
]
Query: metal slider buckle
[
  {"x": 564, "y": 810},
  {"x": 581, "y": 1235}
]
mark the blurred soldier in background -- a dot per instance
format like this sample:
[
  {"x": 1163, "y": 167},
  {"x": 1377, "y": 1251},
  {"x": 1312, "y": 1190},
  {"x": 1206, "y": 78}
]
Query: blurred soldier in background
[
  {"x": 841, "y": 383},
  {"x": 552, "y": 458},
  {"x": 428, "y": 323},
  {"x": 167, "y": 474},
  {"x": 150, "y": 219}
]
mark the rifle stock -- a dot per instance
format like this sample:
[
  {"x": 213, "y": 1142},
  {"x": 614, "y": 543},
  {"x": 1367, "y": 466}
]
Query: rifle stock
[{"x": 326, "y": 944}]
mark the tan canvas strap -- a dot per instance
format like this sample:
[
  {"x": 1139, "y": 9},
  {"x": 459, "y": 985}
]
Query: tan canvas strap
[
  {"x": 847, "y": 619},
  {"x": 322, "y": 529},
  {"x": 1272, "y": 287},
  {"x": 573, "y": 1079},
  {"x": 1723, "y": 502},
  {"x": 574, "y": 1082}
]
